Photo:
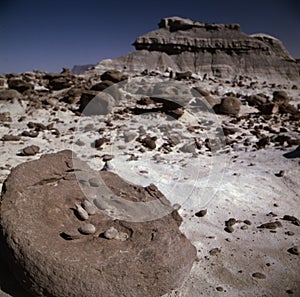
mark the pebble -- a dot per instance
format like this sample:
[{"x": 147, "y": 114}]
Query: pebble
[
  {"x": 229, "y": 229},
  {"x": 214, "y": 251},
  {"x": 271, "y": 225},
  {"x": 294, "y": 250},
  {"x": 30, "y": 150},
  {"x": 111, "y": 233},
  {"x": 292, "y": 219},
  {"x": 89, "y": 207},
  {"x": 201, "y": 213},
  {"x": 87, "y": 229},
  {"x": 81, "y": 213},
  {"x": 230, "y": 222},
  {"x": 94, "y": 182},
  {"x": 258, "y": 275}
]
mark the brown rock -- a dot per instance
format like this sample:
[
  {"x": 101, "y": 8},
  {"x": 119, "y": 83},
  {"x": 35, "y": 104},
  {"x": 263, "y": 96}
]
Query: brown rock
[
  {"x": 291, "y": 219},
  {"x": 114, "y": 76},
  {"x": 5, "y": 117},
  {"x": 258, "y": 275},
  {"x": 294, "y": 250},
  {"x": 9, "y": 94},
  {"x": 10, "y": 138},
  {"x": 201, "y": 213},
  {"x": 30, "y": 150},
  {"x": 40, "y": 239},
  {"x": 270, "y": 225},
  {"x": 280, "y": 97},
  {"x": 229, "y": 106},
  {"x": 19, "y": 85}
]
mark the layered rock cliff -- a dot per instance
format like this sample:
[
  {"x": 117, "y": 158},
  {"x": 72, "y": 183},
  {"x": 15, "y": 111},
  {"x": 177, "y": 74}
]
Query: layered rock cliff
[{"x": 221, "y": 50}]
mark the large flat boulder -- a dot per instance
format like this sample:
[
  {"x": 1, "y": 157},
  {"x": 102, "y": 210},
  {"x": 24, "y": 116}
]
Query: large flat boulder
[{"x": 57, "y": 243}]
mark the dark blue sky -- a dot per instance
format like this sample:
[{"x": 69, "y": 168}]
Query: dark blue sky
[{"x": 48, "y": 35}]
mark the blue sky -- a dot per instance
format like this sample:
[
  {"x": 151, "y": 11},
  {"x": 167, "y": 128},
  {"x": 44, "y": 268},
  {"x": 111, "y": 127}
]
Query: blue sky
[{"x": 48, "y": 35}]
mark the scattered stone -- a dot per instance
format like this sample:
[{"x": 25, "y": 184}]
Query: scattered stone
[
  {"x": 280, "y": 97},
  {"x": 270, "y": 225},
  {"x": 114, "y": 76},
  {"x": 230, "y": 222},
  {"x": 81, "y": 213},
  {"x": 7, "y": 137},
  {"x": 31, "y": 134},
  {"x": 9, "y": 94},
  {"x": 87, "y": 229},
  {"x": 201, "y": 213},
  {"x": 228, "y": 106},
  {"x": 89, "y": 207},
  {"x": 280, "y": 173},
  {"x": 294, "y": 250},
  {"x": 19, "y": 85},
  {"x": 247, "y": 222},
  {"x": 95, "y": 182},
  {"x": 289, "y": 233},
  {"x": 99, "y": 142},
  {"x": 229, "y": 229},
  {"x": 30, "y": 150},
  {"x": 214, "y": 251},
  {"x": 259, "y": 275},
  {"x": 149, "y": 142},
  {"x": 5, "y": 117},
  {"x": 219, "y": 289},
  {"x": 291, "y": 219},
  {"x": 111, "y": 233}
]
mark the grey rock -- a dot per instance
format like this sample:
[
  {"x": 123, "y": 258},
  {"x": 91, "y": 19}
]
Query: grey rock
[
  {"x": 220, "y": 50},
  {"x": 9, "y": 94}
]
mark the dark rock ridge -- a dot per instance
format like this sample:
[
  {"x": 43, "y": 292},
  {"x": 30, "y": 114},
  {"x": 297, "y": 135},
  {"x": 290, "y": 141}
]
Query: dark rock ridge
[
  {"x": 212, "y": 49},
  {"x": 54, "y": 247}
]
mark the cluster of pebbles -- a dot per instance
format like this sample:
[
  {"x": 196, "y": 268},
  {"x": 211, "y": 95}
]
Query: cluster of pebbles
[{"x": 83, "y": 211}]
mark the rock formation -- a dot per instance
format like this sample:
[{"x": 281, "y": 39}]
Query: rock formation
[
  {"x": 208, "y": 49},
  {"x": 59, "y": 244}
]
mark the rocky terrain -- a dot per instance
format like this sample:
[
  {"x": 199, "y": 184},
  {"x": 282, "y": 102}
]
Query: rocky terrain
[{"x": 204, "y": 167}]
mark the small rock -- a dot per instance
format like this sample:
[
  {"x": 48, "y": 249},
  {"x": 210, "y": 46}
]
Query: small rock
[
  {"x": 247, "y": 222},
  {"x": 31, "y": 134},
  {"x": 229, "y": 229},
  {"x": 289, "y": 233},
  {"x": 271, "y": 225},
  {"x": 292, "y": 219},
  {"x": 259, "y": 275},
  {"x": 81, "y": 213},
  {"x": 294, "y": 250},
  {"x": 230, "y": 222},
  {"x": 94, "y": 182},
  {"x": 87, "y": 229},
  {"x": 30, "y": 150},
  {"x": 214, "y": 251},
  {"x": 244, "y": 227},
  {"x": 219, "y": 289},
  {"x": 201, "y": 213},
  {"x": 111, "y": 233},
  {"x": 280, "y": 173},
  {"x": 89, "y": 207},
  {"x": 10, "y": 138}
]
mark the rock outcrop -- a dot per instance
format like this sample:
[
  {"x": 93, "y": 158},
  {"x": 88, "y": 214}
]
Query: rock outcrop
[
  {"x": 208, "y": 49},
  {"x": 57, "y": 242}
]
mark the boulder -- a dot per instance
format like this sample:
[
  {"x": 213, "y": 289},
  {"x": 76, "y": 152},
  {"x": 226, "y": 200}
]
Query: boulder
[
  {"x": 229, "y": 106},
  {"x": 19, "y": 85},
  {"x": 95, "y": 103},
  {"x": 114, "y": 76},
  {"x": 280, "y": 97},
  {"x": 60, "y": 83},
  {"x": 41, "y": 234},
  {"x": 9, "y": 94}
]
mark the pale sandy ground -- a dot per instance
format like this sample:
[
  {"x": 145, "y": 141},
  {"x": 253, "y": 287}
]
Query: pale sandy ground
[{"x": 232, "y": 183}]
